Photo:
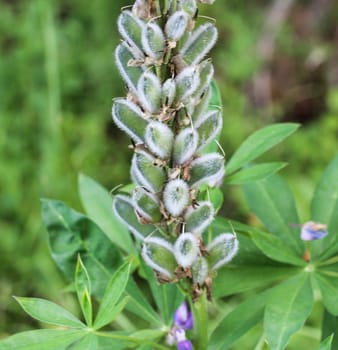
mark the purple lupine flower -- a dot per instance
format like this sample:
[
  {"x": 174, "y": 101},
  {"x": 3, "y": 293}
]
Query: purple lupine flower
[
  {"x": 184, "y": 345},
  {"x": 312, "y": 231},
  {"x": 183, "y": 317}
]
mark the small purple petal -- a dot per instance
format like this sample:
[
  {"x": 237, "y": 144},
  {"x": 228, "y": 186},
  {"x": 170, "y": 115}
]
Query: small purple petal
[
  {"x": 184, "y": 345},
  {"x": 183, "y": 317},
  {"x": 312, "y": 231},
  {"x": 180, "y": 335}
]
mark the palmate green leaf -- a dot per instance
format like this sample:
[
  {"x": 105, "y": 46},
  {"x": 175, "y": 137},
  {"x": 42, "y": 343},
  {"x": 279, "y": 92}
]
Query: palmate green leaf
[
  {"x": 112, "y": 294},
  {"x": 130, "y": 341},
  {"x": 287, "y": 309},
  {"x": 329, "y": 327},
  {"x": 276, "y": 249},
  {"x": 254, "y": 173},
  {"x": 238, "y": 322},
  {"x": 258, "y": 143},
  {"x": 272, "y": 201},
  {"x": 71, "y": 233},
  {"x": 42, "y": 340},
  {"x": 324, "y": 209},
  {"x": 140, "y": 306},
  {"x": 167, "y": 296},
  {"x": 326, "y": 344},
  {"x": 97, "y": 203},
  {"x": 89, "y": 341},
  {"x": 83, "y": 290},
  {"x": 48, "y": 312},
  {"x": 242, "y": 278},
  {"x": 328, "y": 285}
]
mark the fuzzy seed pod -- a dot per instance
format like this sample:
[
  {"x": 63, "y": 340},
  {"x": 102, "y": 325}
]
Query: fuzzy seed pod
[
  {"x": 129, "y": 118},
  {"x": 124, "y": 210},
  {"x": 159, "y": 255},
  {"x": 186, "y": 249},
  {"x": 159, "y": 138},
  {"x": 199, "y": 218},
  {"x": 168, "y": 92},
  {"x": 207, "y": 169},
  {"x": 200, "y": 270},
  {"x": 130, "y": 28},
  {"x": 222, "y": 250},
  {"x": 208, "y": 127},
  {"x": 153, "y": 40},
  {"x": 185, "y": 145},
  {"x": 186, "y": 83},
  {"x": 176, "y": 197},
  {"x": 146, "y": 205},
  {"x": 176, "y": 25},
  {"x": 189, "y": 7},
  {"x": 199, "y": 44},
  {"x": 149, "y": 175},
  {"x": 149, "y": 92},
  {"x": 130, "y": 74}
]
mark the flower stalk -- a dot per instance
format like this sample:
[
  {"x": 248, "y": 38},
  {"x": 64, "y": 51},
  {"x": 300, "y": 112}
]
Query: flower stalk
[{"x": 166, "y": 113}]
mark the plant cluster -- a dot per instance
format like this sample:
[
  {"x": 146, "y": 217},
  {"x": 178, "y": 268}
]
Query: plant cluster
[
  {"x": 172, "y": 114},
  {"x": 162, "y": 61}
]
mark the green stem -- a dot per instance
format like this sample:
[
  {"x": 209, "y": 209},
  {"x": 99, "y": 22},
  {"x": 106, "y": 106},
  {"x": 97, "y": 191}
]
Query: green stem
[{"x": 200, "y": 314}]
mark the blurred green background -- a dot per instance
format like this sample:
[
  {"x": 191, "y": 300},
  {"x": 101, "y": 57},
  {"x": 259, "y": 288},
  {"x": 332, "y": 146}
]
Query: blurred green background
[{"x": 275, "y": 61}]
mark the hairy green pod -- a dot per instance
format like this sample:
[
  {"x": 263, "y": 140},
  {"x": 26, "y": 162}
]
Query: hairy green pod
[
  {"x": 148, "y": 174},
  {"x": 206, "y": 73},
  {"x": 130, "y": 28},
  {"x": 130, "y": 74},
  {"x": 207, "y": 169},
  {"x": 185, "y": 146},
  {"x": 199, "y": 218},
  {"x": 199, "y": 44},
  {"x": 125, "y": 212},
  {"x": 146, "y": 204},
  {"x": 176, "y": 197},
  {"x": 153, "y": 40},
  {"x": 168, "y": 92},
  {"x": 158, "y": 253},
  {"x": 159, "y": 138},
  {"x": 186, "y": 249},
  {"x": 187, "y": 82},
  {"x": 208, "y": 127},
  {"x": 129, "y": 118},
  {"x": 222, "y": 250},
  {"x": 189, "y": 7},
  {"x": 176, "y": 25},
  {"x": 199, "y": 270},
  {"x": 149, "y": 92}
]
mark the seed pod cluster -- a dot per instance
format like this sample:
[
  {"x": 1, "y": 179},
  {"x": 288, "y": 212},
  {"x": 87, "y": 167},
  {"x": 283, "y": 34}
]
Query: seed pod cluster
[{"x": 162, "y": 60}]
